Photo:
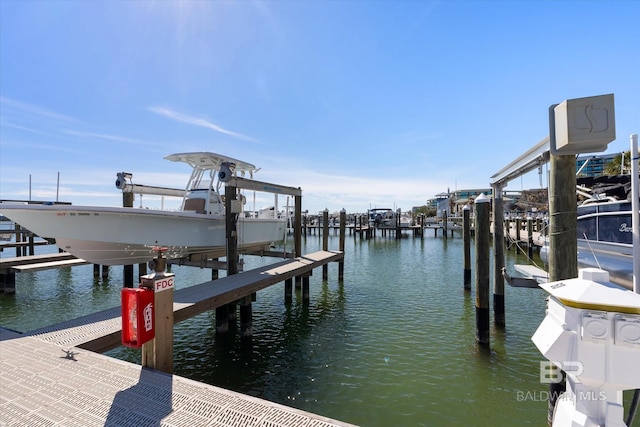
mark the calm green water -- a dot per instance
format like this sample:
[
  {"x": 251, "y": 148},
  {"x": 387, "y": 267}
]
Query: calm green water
[{"x": 393, "y": 345}]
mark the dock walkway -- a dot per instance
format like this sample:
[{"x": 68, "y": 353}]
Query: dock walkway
[
  {"x": 44, "y": 384},
  {"x": 100, "y": 331}
]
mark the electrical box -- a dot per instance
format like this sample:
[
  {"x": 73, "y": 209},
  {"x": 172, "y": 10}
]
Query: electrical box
[{"x": 584, "y": 125}]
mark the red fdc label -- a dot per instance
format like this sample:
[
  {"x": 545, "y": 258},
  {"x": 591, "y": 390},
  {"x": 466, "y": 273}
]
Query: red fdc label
[{"x": 163, "y": 284}]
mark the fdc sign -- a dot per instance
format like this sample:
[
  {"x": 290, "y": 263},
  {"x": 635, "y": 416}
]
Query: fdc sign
[{"x": 163, "y": 284}]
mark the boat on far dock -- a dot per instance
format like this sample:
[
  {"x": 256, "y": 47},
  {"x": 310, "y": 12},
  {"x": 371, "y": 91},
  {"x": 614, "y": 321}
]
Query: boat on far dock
[{"x": 124, "y": 236}]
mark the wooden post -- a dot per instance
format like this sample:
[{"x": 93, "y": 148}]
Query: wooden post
[
  {"x": 8, "y": 281},
  {"x": 18, "y": 239},
  {"x": 563, "y": 221},
  {"x": 158, "y": 353},
  {"x": 398, "y": 229},
  {"x": 466, "y": 237},
  {"x": 343, "y": 224},
  {"x": 518, "y": 229},
  {"x": 288, "y": 291},
  {"x": 305, "y": 288},
  {"x": 297, "y": 231},
  {"x": 498, "y": 257},
  {"x": 246, "y": 316},
  {"x": 231, "y": 216},
  {"x": 445, "y": 224},
  {"x": 127, "y": 273},
  {"x": 530, "y": 237},
  {"x": 482, "y": 269},
  {"x": 215, "y": 273},
  {"x": 325, "y": 240},
  {"x": 96, "y": 271}
]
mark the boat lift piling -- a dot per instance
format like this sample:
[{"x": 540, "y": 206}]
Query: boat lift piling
[
  {"x": 483, "y": 232},
  {"x": 466, "y": 237},
  {"x": 325, "y": 240},
  {"x": 498, "y": 249}
]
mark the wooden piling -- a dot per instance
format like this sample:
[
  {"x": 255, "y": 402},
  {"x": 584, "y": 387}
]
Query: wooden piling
[
  {"x": 498, "y": 257},
  {"x": 530, "y": 237},
  {"x": 343, "y": 224},
  {"x": 466, "y": 237},
  {"x": 288, "y": 291},
  {"x": 482, "y": 269},
  {"x": 246, "y": 317},
  {"x": 563, "y": 221},
  {"x": 222, "y": 313},
  {"x": 445, "y": 225},
  {"x": 305, "y": 289},
  {"x": 158, "y": 353},
  {"x": 325, "y": 241}
]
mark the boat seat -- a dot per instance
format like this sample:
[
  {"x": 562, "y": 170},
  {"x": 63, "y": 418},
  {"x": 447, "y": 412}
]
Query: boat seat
[{"x": 196, "y": 205}]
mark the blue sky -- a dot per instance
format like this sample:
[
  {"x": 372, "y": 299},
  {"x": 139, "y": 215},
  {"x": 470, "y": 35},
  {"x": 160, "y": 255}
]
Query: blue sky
[{"x": 360, "y": 103}]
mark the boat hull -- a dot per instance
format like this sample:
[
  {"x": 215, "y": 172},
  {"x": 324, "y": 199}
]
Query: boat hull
[
  {"x": 122, "y": 236},
  {"x": 617, "y": 259}
]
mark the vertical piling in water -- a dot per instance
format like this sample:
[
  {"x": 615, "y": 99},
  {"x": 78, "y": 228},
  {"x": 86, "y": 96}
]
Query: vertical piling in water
[
  {"x": 297, "y": 229},
  {"x": 343, "y": 224},
  {"x": 466, "y": 237},
  {"x": 530, "y": 237},
  {"x": 498, "y": 257},
  {"x": 246, "y": 317},
  {"x": 288, "y": 291},
  {"x": 230, "y": 194},
  {"x": 325, "y": 240},
  {"x": 444, "y": 225},
  {"x": 305, "y": 288},
  {"x": 482, "y": 269}
]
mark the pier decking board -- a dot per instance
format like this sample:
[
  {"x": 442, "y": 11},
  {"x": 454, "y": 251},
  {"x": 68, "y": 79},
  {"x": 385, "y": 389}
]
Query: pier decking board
[
  {"x": 44, "y": 384},
  {"x": 101, "y": 331},
  {"x": 50, "y": 265},
  {"x": 7, "y": 263}
]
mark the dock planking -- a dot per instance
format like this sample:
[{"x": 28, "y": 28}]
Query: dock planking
[
  {"x": 101, "y": 331},
  {"x": 43, "y": 384}
]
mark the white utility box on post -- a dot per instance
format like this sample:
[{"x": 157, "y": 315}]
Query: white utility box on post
[{"x": 592, "y": 332}]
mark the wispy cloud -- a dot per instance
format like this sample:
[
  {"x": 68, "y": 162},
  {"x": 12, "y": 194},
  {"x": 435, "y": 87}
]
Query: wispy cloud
[
  {"x": 197, "y": 121},
  {"x": 34, "y": 109},
  {"x": 108, "y": 137}
]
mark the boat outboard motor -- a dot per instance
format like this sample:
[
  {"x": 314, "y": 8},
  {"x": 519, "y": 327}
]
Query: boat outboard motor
[
  {"x": 224, "y": 174},
  {"x": 592, "y": 332}
]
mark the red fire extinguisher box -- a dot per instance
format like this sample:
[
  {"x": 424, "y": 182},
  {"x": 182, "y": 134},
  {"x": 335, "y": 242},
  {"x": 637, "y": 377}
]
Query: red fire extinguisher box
[{"x": 138, "y": 317}]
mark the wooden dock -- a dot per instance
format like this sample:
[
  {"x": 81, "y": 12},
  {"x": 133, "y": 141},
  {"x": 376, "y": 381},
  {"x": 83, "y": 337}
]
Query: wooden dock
[
  {"x": 55, "y": 376},
  {"x": 101, "y": 331},
  {"x": 44, "y": 384}
]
